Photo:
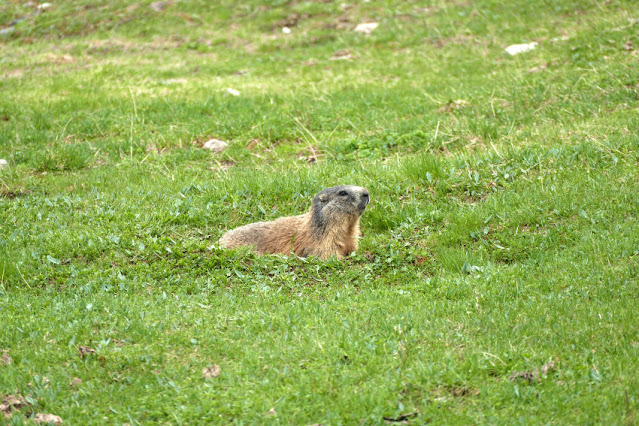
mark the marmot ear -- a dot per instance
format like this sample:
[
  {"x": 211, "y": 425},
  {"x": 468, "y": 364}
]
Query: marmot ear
[{"x": 323, "y": 198}]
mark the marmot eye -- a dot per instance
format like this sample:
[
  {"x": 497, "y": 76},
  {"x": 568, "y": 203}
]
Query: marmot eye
[{"x": 343, "y": 193}]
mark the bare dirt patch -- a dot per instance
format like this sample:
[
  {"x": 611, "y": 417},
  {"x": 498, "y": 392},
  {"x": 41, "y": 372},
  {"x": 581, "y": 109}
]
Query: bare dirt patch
[
  {"x": 403, "y": 418},
  {"x": 11, "y": 194},
  {"x": 535, "y": 375},
  {"x": 11, "y": 403},
  {"x": 290, "y": 21},
  {"x": 85, "y": 350},
  {"x": 211, "y": 372},
  {"x": 47, "y": 418}
]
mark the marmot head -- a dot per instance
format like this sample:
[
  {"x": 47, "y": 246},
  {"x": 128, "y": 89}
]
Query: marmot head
[{"x": 344, "y": 203}]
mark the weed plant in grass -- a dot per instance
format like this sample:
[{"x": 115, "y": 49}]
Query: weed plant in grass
[{"x": 496, "y": 280}]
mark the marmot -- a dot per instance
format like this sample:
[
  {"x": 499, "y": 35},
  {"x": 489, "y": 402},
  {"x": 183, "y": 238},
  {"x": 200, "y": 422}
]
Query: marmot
[{"x": 331, "y": 228}]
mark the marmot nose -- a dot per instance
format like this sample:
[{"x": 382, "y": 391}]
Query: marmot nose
[{"x": 365, "y": 196}]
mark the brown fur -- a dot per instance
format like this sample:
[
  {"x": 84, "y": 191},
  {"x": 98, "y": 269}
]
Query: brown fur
[{"x": 330, "y": 228}]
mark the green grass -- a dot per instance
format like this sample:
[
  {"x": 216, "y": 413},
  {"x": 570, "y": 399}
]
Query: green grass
[{"x": 502, "y": 236}]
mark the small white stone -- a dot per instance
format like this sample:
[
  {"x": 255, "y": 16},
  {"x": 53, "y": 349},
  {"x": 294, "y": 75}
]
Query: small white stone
[
  {"x": 4, "y": 164},
  {"x": 232, "y": 92},
  {"x": 520, "y": 48},
  {"x": 366, "y": 28},
  {"x": 215, "y": 145},
  {"x": 44, "y": 6},
  {"x": 286, "y": 30}
]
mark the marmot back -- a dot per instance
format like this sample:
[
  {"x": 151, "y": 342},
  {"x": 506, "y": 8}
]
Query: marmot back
[{"x": 330, "y": 228}]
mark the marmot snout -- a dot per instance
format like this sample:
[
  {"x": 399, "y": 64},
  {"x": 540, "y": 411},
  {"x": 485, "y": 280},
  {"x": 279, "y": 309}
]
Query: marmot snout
[{"x": 330, "y": 228}]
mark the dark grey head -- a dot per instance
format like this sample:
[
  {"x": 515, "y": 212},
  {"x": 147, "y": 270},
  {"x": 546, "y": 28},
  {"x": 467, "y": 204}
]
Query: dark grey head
[{"x": 344, "y": 202}]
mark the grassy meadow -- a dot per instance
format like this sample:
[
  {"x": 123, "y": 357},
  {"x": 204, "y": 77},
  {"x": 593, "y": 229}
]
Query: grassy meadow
[{"x": 497, "y": 276}]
